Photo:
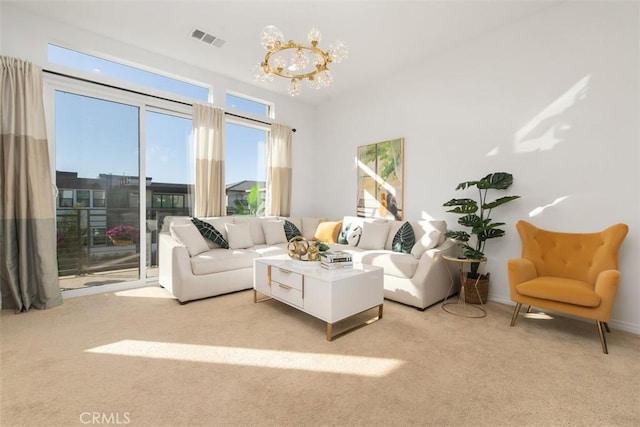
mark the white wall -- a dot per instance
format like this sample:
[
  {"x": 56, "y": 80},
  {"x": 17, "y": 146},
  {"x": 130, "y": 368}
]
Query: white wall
[
  {"x": 552, "y": 98},
  {"x": 25, "y": 35}
]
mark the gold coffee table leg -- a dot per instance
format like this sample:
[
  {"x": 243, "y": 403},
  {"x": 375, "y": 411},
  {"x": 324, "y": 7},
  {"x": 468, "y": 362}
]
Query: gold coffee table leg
[{"x": 331, "y": 337}]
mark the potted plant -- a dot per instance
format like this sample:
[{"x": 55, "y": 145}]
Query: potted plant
[
  {"x": 122, "y": 235},
  {"x": 476, "y": 214}
]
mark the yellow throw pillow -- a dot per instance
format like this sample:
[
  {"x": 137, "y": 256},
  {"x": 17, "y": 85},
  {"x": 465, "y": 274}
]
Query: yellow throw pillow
[{"x": 328, "y": 231}]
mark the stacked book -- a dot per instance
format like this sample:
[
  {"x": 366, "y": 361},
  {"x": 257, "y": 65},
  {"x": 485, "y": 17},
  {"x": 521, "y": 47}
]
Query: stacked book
[{"x": 335, "y": 260}]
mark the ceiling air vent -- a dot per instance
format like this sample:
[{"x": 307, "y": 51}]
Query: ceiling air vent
[{"x": 207, "y": 38}]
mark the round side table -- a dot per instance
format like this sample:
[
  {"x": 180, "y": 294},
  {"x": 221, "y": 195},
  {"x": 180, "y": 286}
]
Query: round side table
[{"x": 461, "y": 307}]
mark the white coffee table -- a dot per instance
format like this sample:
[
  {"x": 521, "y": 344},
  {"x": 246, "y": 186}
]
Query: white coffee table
[{"x": 330, "y": 296}]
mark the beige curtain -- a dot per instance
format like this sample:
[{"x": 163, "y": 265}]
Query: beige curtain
[
  {"x": 279, "y": 170},
  {"x": 28, "y": 258},
  {"x": 208, "y": 134}
]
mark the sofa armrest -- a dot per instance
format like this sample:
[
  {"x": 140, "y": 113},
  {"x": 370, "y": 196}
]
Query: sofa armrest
[
  {"x": 174, "y": 264},
  {"x": 433, "y": 258}
]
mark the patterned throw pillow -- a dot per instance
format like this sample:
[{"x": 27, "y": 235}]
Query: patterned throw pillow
[
  {"x": 208, "y": 231},
  {"x": 354, "y": 234},
  {"x": 342, "y": 236},
  {"x": 404, "y": 239},
  {"x": 290, "y": 230}
]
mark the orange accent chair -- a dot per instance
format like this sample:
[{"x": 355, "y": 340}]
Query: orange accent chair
[{"x": 571, "y": 273}]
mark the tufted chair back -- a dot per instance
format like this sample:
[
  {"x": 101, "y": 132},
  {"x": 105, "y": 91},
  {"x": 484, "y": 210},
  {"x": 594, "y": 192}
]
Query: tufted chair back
[{"x": 578, "y": 256}]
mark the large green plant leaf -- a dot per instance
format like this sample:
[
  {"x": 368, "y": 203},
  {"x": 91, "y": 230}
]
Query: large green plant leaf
[
  {"x": 491, "y": 234},
  {"x": 462, "y": 206},
  {"x": 496, "y": 181},
  {"x": 466, "y": 184},
  {"x": 459, "y": 202},
  {"x": 500, "y": 201},
  {"x": 472, "y": 253},
  {"x": 470, "y": 220},
  {"x": 461, "y": 236}
]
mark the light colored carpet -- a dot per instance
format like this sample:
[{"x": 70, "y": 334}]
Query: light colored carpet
[{"x": 139, "y": 358}]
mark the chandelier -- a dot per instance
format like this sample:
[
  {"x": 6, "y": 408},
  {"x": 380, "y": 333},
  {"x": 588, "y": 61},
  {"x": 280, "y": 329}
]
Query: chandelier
[{"x": 296, "y": 61}]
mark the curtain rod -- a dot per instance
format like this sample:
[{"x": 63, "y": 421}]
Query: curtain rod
[{"x": 149, "y": 95}]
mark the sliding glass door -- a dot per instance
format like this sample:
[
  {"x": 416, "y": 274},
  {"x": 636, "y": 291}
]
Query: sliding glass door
[
  {"x": 121, "y": 166},
  {"x": 170, "y": 175},
  {"x": 98, "y": 179}
]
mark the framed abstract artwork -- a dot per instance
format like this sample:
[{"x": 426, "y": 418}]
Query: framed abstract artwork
[{"x": 380, "y": 180}]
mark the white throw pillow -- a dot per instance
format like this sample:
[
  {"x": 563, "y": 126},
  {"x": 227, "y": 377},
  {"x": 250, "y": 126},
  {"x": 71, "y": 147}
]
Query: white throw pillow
[
  {"x": 309, "y": 226},
  {"x": 432, "y": 238},
  {"x": 190, "y": 237},
  {"x": 239, "y": 236},
  {"x": 255, "y": 227},
  {"x": 274, "y": 232},
  {"x": 374, "y": 235},
  {"x": 353, "y": 235}
]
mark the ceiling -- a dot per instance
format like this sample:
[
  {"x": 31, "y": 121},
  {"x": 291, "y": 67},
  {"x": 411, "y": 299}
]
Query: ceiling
[{"x": 382, "y": 36}]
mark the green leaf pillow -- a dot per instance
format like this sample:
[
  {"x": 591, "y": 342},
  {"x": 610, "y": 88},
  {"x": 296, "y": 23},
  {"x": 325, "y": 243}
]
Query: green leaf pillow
[
  {"x": 208, "y": 231},
  {"x": 404, "y": 239},
  {"x": 290, "y": 230}
]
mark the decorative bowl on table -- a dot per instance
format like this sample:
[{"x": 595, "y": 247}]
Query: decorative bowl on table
[{"x": 301, "y": 250}]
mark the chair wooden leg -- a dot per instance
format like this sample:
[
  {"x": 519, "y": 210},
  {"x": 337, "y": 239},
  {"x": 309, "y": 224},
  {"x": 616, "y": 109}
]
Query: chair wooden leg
[
  {"x": 603, "y": 340},
  {"x": 606, "y": 327},
  {"x": 529, "y": 309},
  {"x": 515, "y": 314}
]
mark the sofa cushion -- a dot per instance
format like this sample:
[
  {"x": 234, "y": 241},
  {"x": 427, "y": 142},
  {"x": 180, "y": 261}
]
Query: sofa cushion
[
  {"x": 178, "y": 220},
  {"x": 404, "y": 239},
  {"x": 274, "y": 232},
  {"x": 255, "y": 227},
  {"x": 328, "y": 231},
  {"x": 431, "y": 235},
  {"x": 374, "y": 235},
  {"x": 353, "y": 235},
  {"x": 394, "y": 263},
  {"x": 239, "y": 236},
  {"x": 218, "y": 260},
  {"x": 209, "y": 232},
  {"x": 342, "y": 234},
  {"x": 291, "y": 230},
  {"x": 309, "y": 226},
  {"x": 189, "y": 236},
  {"x": 348, "y": 224},
  {"x": 219, "y": 224}
]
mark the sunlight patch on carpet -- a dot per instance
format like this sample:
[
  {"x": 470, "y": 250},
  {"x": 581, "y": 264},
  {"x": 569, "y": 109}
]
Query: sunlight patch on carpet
[
  {"x": 146, "y": 292},
  {"x": 275, "y": 359}
]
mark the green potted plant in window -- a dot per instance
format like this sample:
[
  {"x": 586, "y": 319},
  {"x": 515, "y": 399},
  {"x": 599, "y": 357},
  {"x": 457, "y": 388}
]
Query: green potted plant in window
[{"x": 476, "y": 215}]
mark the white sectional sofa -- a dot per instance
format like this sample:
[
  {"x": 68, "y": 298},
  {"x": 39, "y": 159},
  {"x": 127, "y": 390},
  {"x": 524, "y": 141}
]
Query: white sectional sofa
[{"x": 192, "y": 267}]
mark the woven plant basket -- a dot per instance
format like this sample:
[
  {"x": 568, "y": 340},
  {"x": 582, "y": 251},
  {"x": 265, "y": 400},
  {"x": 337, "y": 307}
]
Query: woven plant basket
[{"x": 470, "y": 294}]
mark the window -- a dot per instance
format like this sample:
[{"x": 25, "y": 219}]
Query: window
[
  {"x": 245, "y": 157},
  {"x": 168, "y": 201},
  {"x": 98, "y": 236},
  {"x": 249, "y": 105},
  {"x": 99, "y": 199},
  {"x": 83, "y": 198},
  {"x": 245, "y": 169},
  {"x": 65, "y": 198},
  {"x": 92, "y": 64}
]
